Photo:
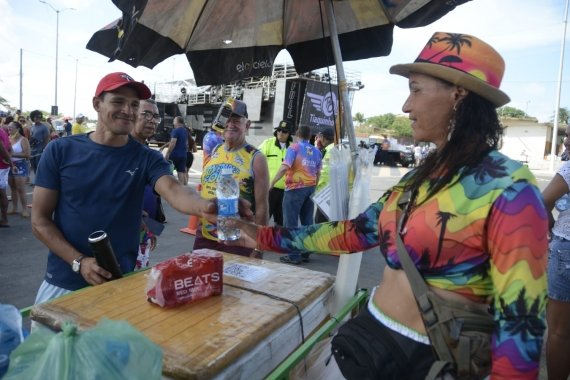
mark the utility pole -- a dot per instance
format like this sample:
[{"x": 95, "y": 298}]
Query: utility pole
[
  {"x": 21, "y": 76},
  {"x": 54, "y": 108},
  {"x": 559, "y": 90}
]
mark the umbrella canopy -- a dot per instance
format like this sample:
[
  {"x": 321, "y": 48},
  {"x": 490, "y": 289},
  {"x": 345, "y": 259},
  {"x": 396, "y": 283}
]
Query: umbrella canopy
[{"x": 227, "y": 41}]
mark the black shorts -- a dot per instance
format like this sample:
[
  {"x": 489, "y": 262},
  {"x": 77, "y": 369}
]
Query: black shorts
[
  {"x": 179, "y": 163},
  {"x": 189, "y": 160},
  {"x": 364, "y": 348}
]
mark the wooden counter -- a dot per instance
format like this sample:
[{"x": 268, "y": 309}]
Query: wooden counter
[{"x": 242, "y": 334}]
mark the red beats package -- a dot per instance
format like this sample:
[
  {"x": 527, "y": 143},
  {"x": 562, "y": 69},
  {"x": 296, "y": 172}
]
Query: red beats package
[{"x": 186, "y": 278}]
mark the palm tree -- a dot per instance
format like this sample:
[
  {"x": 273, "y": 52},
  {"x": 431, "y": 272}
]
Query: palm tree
[
  {"x": 359, "y": 118},
  {"x": 454, "y": 41},
  {"x": 443, "y": 218}
]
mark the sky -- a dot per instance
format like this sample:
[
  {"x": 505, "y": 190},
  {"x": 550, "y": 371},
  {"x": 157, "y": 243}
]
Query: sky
[{"x": 527, "y": 33}]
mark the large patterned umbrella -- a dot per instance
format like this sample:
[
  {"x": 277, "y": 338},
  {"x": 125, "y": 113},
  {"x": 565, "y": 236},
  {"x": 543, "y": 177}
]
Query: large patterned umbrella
[{"x": 227, "y": 41}]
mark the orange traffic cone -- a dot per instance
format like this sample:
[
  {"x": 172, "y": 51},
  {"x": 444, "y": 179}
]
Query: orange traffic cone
[{"x": 193, "y": 219}]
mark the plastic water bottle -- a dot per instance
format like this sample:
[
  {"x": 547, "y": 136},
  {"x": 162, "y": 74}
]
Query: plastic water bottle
[{"x": 227, "y": 192}]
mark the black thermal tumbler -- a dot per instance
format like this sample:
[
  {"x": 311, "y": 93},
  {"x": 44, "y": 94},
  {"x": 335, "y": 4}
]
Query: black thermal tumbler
[{"x": 103, "y": 253}]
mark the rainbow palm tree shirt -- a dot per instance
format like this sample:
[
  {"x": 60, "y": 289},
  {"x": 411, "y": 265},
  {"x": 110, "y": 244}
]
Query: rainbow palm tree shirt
[{"x": 483, "y": 236}]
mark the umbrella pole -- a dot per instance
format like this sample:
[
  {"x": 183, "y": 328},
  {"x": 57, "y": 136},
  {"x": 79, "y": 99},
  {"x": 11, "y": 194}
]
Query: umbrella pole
[
  {"x": 349, "y": 265},
  {"x": 341, "y": 78}
]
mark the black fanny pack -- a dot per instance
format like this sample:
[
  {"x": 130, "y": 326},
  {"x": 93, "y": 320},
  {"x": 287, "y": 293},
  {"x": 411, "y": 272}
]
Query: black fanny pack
[{"x": 365, "y": 349}]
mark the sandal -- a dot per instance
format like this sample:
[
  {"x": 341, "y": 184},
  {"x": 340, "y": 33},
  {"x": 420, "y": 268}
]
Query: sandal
[
  {"x": 25, "y": 214},
  {"x": 288, "y": 260}
]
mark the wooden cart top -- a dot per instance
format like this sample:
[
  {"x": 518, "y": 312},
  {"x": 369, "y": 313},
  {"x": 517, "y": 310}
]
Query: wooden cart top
[{"x": 201, "y": 338}]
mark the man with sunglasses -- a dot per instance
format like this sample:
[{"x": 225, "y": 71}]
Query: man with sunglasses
[
  {"x": 274, "y": 149},
  {"x": 153, "y": 216},
  {"x": 96, "y": 181}
]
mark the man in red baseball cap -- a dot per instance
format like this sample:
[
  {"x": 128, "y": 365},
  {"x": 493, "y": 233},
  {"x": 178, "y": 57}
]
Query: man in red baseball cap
[{"x": 96, "y": 181}]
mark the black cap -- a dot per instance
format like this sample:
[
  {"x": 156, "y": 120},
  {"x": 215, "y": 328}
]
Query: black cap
[
  {"x": 327, "y": 133},
  {"x": 285, "y": 125}
]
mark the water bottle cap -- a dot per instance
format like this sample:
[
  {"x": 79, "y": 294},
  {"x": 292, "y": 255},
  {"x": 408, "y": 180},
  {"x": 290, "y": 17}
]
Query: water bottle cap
[{"x": 97, "y": 236}]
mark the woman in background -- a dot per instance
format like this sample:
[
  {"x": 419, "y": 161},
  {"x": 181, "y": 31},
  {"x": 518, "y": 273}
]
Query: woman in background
[
  {"x": 556, "y": 194},
  {"x": 20, "y": 172}
]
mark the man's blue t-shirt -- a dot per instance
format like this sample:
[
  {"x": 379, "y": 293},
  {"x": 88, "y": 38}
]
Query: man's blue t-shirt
[
  {"x": 100, "y": 188},
  {"x": 181, "y": 136}
]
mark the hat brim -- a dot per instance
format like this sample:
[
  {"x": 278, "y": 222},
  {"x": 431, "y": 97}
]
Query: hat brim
[
  {"x": 456, "y": 77},
  {"x": 240, "y": 115},
  {"x": 142, "y": 90}
]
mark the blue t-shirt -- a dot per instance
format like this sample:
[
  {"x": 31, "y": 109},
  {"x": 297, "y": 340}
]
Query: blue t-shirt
[
  {"x": 100, "y": 188},
  {"x": 38, "y": 135},
  {"x": 181, "y": 136}
]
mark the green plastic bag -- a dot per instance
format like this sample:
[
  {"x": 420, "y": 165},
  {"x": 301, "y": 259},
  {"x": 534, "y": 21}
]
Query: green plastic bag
[{"x": 110, "y": 350}]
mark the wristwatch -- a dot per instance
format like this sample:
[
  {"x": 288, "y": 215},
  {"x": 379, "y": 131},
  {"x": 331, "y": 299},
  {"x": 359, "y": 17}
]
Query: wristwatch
[{"x": 76, "y": 265}]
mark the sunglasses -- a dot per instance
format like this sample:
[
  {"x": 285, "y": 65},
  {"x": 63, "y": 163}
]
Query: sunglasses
[{"x": 149, "y": 116}]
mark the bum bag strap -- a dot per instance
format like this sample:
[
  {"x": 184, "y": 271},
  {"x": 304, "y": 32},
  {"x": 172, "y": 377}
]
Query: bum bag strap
[
  {"x": 419, "y": 287},
  {"x": 420, "y": 290}
]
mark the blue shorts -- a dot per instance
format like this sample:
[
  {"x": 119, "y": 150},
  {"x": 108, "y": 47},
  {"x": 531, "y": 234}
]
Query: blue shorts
[
  {"x": 559, "y": 269},
  {"x": 22, "y": 169}
]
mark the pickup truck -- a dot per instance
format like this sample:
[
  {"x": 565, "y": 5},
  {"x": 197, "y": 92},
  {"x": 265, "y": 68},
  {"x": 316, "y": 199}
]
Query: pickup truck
[{"x": 391, "y": 153}]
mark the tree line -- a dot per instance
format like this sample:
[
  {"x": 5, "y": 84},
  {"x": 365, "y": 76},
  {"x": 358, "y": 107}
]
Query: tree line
[{"x": 400, "y": 126}]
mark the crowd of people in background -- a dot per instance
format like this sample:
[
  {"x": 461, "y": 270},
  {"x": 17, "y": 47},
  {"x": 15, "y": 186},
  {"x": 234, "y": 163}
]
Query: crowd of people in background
[{"x": 24, "y": 138}]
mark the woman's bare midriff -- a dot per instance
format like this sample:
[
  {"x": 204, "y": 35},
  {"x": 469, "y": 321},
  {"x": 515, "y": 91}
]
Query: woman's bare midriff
[{"x": 394, "y": 298}]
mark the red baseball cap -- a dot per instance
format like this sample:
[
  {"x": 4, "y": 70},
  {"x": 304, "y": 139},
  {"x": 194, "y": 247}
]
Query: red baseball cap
[{"x": 114, "y": 81}]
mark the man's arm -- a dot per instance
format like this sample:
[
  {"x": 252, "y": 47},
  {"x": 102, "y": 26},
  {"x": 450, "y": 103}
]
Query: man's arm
[
  {"x": 43, "y": 227},
  {"x": 261, "y": 187},
  {"x": 5, "y": 154},
  {"x": 171, "y": 145},
  {"x": 280, "y": 173},
  {"x": 183, "y": 198}
]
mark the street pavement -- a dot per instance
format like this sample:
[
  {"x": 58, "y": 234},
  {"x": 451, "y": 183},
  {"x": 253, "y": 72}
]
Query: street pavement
[{"x": 23, "y": 257}]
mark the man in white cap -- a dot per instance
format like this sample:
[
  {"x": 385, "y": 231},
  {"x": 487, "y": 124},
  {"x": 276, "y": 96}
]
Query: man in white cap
[
  {"x": 69, "y": 204},
  {"x": 79, "y": 126}
]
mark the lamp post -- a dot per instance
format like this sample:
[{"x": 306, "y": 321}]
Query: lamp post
[
  {"x": 54, "y": 110},
  {"x": 75, "y": 87}
]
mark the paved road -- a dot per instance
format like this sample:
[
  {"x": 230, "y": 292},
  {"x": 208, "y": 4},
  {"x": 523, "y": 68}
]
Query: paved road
[{"x": 23, "y": 258}]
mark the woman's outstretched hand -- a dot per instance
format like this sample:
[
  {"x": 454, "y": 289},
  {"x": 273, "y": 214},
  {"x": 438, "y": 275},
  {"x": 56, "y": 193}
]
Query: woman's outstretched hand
[
  {"x": 248, "y": 238},
  {"x": 210, "y": 212}
]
